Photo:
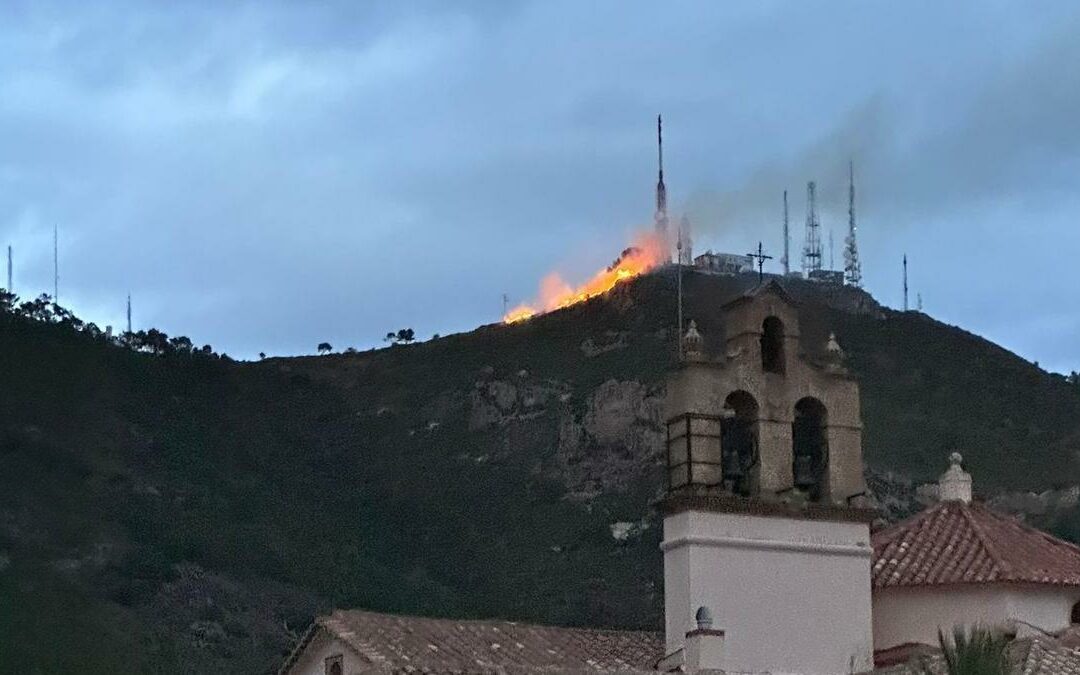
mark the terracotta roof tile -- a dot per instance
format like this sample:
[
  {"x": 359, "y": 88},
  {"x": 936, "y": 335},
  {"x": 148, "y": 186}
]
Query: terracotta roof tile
[
  {"x": 1026, "y": 656},
  {"x": 425, "y": 645},
  {"x": 955, "y": 542}
]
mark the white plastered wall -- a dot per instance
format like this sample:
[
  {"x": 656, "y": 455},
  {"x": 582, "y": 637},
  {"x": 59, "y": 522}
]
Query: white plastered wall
[
  {"x": 791, "y": 595},
  {"x": 903, "y": 615},
  {"x": 312, "y": 660}
]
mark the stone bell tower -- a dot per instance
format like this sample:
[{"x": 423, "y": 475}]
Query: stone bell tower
[{"x": 762, "y": 518}]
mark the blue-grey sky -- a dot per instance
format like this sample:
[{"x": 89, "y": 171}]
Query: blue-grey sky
[{"x": 266, "y": 176}]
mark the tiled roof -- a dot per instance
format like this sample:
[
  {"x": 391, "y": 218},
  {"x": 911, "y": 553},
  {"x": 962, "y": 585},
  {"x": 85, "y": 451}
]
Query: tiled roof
[
  {"x": 955, "y": 542},
  {"x": 1026, "y": 656},
  {"x": 1044, "y": 657},
  {"x": 902, "y": 654},
  {"x": 410, "y": 644}
]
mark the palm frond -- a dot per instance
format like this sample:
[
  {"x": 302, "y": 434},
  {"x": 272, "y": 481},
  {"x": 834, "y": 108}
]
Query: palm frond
[{"x": 979, "y": 651}]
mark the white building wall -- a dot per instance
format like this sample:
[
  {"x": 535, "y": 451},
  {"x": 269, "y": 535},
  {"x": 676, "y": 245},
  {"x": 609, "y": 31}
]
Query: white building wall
[
  {"x": 903, "y": 615},
  {"x": 313, "y": 659},
  {"x": 792, "y": 595}
]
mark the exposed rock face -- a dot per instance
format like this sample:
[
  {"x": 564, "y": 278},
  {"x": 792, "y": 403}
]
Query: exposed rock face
[
  {"x": 610, "y": 341},
  {"x": 499, "y": 402},
  {"x": 618, "y": 438},
  {"x": 891, "y": 493},
  {"x": 897, "y": 498},
  {"x": 1047, "y": 503}
]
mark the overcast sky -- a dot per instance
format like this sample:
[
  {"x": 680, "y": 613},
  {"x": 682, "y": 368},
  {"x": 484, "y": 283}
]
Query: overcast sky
[{"x": 265, "y": 176}]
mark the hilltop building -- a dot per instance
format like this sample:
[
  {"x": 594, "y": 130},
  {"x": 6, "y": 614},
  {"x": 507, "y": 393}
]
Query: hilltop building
[
  {"x": 769, "y": 561},
  {"x": 724, "y": 263},
  {"x": 827, "y": 276}
]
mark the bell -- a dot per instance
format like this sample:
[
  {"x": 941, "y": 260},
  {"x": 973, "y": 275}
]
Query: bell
[
  {"x": 733, "y": 471},
  {"x": 732, "y": 467},
  {"x": 804, "y": 472}
]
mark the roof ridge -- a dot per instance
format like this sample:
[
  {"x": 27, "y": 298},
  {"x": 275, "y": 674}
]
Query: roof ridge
[
  {"x": 887, "y": 535},
  {"x": 984, "y": 539},
  {"x": 1014, "y": 520},
  {"x": 494, "y": 622},
  {"x": 305, "y": 639}
]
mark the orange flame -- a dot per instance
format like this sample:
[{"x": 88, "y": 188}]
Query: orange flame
[{"x": 647, "y": 252}]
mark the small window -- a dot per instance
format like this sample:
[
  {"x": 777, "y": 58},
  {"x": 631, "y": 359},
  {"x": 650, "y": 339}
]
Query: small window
[
  {"x": 333, "y": 665},
  {"x": 772, "y": 345}
]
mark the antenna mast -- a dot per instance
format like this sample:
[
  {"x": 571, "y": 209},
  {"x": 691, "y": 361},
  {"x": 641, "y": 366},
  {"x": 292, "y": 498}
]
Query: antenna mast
[
  {"x": 812, "y": 250},
  {"x": 905, "y": 283},
  {"x": 661, "y": 216},
  {"x": 832, "y": 252},
  {"x": 852, "y": 266},
  {"x": 56, "y": 265},
  {"x": 9, "y": 282},
  {"x": 685, "y": 243},
  {"x": 129, "y": 314},
  {"x": 786, "y": 260}
]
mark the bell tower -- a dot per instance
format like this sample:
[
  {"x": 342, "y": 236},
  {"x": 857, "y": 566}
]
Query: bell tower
[{"x": 762, "y": 516}]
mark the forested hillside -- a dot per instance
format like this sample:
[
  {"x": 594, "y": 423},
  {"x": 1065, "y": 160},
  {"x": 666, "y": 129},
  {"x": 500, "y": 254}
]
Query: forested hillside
[{"x": 166, "y": 509}]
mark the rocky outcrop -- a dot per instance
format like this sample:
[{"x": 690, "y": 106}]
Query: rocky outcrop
[
  {"x": 1041, "y": 505},
  {"x": 615, "y": 440},
  {"x": 497, "y": 402},
  {"x": 610, "y": 341}
]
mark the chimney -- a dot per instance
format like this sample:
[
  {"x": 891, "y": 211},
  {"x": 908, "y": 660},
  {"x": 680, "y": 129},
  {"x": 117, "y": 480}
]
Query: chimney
[
  {"x": 955, "y": 483},
  {"x": 704, "y": 650}
]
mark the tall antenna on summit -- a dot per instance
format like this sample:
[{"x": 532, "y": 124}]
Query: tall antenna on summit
[
  {"x": 56, "y": 264},
  {"x": 812, "y": 250},
  {"x": 786, "y": 260},
  {"x": 9, "y": 282},
  {"x": 661, "y": 216},
  {"x": 905, "y": 283},
  {"x": 129, "y": 314},
  {"x": 852, "y": 266}
]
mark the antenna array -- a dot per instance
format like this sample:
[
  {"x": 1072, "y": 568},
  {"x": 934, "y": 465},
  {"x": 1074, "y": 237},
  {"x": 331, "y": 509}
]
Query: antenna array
[
  {"x": 852, "y": 266},
  {"x": 786, "y": 260},
  {"x": 812, "y": 250}
]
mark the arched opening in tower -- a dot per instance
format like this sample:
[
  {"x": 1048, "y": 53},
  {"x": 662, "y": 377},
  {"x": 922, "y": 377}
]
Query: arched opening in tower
[
  {"x": 810, "y": 447},
  {"x": 772, "y": 345},
  {"x": 739, "y": 443}
]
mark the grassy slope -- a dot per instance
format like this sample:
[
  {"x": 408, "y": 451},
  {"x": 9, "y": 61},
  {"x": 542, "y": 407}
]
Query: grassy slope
[{"x": 316, "y": 482}]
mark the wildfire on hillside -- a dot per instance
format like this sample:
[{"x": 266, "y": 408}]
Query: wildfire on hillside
[{"x": 647, "y": 251}]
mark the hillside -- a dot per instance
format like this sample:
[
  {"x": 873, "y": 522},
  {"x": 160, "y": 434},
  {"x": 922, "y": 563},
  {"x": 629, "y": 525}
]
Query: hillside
[{"x": 179, "y": 512}]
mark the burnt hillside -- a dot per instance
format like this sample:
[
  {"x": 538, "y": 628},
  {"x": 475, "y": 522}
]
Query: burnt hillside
[{"x": 185, "y": 513}]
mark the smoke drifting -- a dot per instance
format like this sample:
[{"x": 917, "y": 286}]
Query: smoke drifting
[
  {"x": 756, "y": 203},
  {"x": 1012, "y": 138}
]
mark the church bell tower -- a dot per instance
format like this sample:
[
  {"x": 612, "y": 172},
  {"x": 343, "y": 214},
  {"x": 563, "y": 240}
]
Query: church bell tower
[{"x": 763, "y": 527}]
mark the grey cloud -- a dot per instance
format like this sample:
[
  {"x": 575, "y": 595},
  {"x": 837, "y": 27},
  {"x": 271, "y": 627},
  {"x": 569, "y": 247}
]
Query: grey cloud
[{"x": 265, "y": 176}]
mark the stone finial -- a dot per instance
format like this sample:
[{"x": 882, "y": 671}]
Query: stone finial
[
  {"x": 955, "y": 483},
  {"x": 703, "y": 650},
  {"x": 834, "y": 356},
  {"x": 703, "y": 617},
  {"x": 833, "y": 347},
  {"x": 692, "y": 343}
]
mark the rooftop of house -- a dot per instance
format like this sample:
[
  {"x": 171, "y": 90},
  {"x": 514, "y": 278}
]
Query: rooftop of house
[
  {"x": 424, "y": 645},
  {"x": 960, "y": 542},
  {"x": 1025, "y": 656}
]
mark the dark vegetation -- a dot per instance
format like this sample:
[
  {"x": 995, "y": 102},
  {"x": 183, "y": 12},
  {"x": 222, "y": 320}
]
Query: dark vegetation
[
  {"x": 975, "y": 651},
  {"x": 166, "y": 510}
]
